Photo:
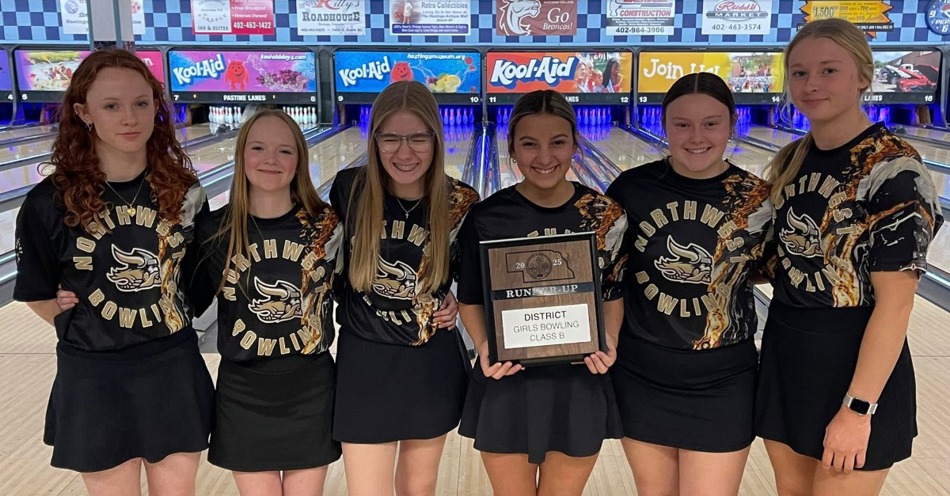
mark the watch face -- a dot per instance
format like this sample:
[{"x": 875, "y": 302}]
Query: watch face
[
  {"x": 938, "y": 16},
  {"x": 860, "y": 407}
]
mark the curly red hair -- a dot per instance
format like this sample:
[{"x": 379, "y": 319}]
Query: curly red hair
[{"x": 77, "y": 176}]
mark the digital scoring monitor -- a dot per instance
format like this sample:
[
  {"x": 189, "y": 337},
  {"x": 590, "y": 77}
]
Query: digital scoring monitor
[
  {"x": 42, "y": 75},
  {"x": 753, "y": 77},
  {"x": 6, "y": 78},
  {"x": 454, "y": 78},
  {"x": 228, "y": 76},
  {"x": 584, "y": 78},
  {"x": 905, "y": 76}
]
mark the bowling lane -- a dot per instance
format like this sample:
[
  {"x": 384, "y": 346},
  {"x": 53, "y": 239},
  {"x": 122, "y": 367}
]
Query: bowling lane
[
  {"x": 625, "y": 150},
  {"x": 750, "y": 158},
  {"x": 777, "y": 137},
  {"x": 922, "y": 132},
  {"x": 458, "y": 141},
  {"x": 508, "y": 173},
  {"x": 24, "y": 131},
  {"x": 42, "y": 147}
]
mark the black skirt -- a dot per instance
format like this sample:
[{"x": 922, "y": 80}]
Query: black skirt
[
  {"x": 147, "y": 401},
  {"x": 693, "y": 400},
  {"x": 544, "y": 408},
  {"x": 808, "y": 359},
  {"x": 269, "y": 421},
  {"x": 388, "y": 393}
]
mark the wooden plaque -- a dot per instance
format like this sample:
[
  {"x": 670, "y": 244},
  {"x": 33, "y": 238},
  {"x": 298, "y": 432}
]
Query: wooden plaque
[{"x": 542, "y": 298}]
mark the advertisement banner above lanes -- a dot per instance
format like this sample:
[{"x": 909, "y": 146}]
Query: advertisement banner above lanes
[
  {"x": 753, "y": 77},
  {"x": 582, "y": 77},
  {"x": 453, "y": 77},
  {"x": 736, "y": 17},
  {"x": 870, "y": 16},
  {"x": 6, "y": 79},
  {"x": 42, "y": 75},
  {"x": 651, "y": 18},
  {"x": 535, "y": 17},
  {"x": 261, "y": 76},
  {"x": 232, "y": 16},
  {"x": 418, "y": 17},
  {"x": 905, "y": 76},
  {"x": 331, "y": 17}
]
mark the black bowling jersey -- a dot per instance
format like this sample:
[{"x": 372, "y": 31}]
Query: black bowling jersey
[
  {"x": 393, "y": 312},
  {"x": 869, "y": 205},
  {"x": 276, "y": 300},
  {"x": 127, "y": 279},
  {"x": 508, "y": 214},
  {"x": 691, "y": 244}
]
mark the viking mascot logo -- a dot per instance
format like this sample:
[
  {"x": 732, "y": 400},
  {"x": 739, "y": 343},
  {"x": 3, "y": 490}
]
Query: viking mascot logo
[
  {"x": 395, "y": 280},
  {"x": 802, "y": 237},
  {"x": 139, "y": 270},
  {"x": 281, "y": 302},
  {"x": 690, "y": 264}
]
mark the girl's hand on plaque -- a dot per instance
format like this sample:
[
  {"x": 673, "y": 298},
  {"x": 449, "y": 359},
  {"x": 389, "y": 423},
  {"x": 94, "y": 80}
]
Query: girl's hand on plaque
[{"x": 497, "y": 370}]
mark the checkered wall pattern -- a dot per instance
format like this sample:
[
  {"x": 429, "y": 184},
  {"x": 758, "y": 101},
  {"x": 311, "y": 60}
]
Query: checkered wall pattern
[{"x": 168, "y": 22}]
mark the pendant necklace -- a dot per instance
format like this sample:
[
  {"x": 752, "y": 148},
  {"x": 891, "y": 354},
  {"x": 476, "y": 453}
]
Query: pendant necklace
[
  {"x": 129, "y": 206},
  {"x": 419, "y": 201}
]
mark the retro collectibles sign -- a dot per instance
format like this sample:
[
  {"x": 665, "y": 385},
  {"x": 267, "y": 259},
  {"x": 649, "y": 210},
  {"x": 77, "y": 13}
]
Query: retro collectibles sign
[
  {"x": 331, "y": 17},
  {"x": 737, "y": 17},
  {"x": 536, "y": 17},
  {"x": 868, "y": 16},
  {"x": 593, "y": 77},
  {"x": 419, "y": 17},
  {"x": 650, "y": 18},
  {"x": 245, "y": 77},
  {"x": 232, "y": 16},
  {"x": 453, "y": 77}
]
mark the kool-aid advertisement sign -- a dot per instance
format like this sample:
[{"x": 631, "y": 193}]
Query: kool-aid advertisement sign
[
  {"x": 453, "y": 77},
  {"x": 583, "y": 77},
  {"x": 214, "y": 76},
  {"x": 42, "y": 75}
]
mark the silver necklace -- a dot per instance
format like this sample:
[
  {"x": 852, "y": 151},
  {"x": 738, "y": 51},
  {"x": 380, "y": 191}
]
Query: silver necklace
[
  {"x": 129, "y": 206},
  {"x": 418, "y": 202}
]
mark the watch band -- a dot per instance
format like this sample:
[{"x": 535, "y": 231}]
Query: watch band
[{"x": 859, "y": 406}]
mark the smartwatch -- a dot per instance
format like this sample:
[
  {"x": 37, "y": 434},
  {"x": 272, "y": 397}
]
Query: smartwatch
[{"x": 859, "y": 406}]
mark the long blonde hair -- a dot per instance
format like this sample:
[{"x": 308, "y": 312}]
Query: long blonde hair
[
  {"x": 788, "y": 161},
  {"x": 302, "y": 192},
  {"x": 368, "y": 194}
]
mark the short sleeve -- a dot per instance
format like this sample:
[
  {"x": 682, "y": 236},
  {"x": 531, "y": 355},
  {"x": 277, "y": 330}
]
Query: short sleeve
[
  {"x": 903, "y": 218},
  {"x": 470, "y": 291},
  {"x": 38, "y": 267},
  {"x": 613, "y": 259}
]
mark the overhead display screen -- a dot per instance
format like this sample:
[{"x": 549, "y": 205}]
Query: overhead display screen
[
  {"x": 6, "y": 79},
  {"x": 43, "y": 75},
  {"x": 584, "y": 78},
  {"x": 905, "y": 76},
  {"x": 753, "y": 77},
  {"x": 455, "y": 78},
  {"x": 261, "y": 76}
]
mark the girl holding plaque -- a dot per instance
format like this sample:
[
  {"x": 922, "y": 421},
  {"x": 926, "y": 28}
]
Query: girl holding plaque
[
  {"x": 112, "y": 225},
  {"x": 855, "y": 213},
  {"x": 402, "y": 369},
  {"x": 271, "y": 256},
  {"x": 685, "y": 375},
  {"x": 541, "y": 427}
]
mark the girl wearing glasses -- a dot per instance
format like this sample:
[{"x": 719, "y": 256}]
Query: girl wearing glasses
[
  {"x": 540, "y": 429},
  {"x": 401, "y": 367}
]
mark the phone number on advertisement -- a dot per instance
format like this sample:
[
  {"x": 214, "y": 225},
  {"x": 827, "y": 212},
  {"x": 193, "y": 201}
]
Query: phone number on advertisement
[
  {"x": 737, "y": 27},
  {"x": 253, "y": 25},
  {"x": 639, "y": 30}
]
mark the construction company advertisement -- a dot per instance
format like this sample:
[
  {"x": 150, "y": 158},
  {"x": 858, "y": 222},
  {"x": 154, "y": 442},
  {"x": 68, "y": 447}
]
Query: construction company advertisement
[
  {"x": 570, "y": 73},
  {"x": 213, "y": 71},
  {"x": 444, "y": 73},
  {"x": 744, "y": 72},
  {"x": 51, "y": 70},
  {"x": 645, "y": 18},
  {"x": 869, "y": 16}
]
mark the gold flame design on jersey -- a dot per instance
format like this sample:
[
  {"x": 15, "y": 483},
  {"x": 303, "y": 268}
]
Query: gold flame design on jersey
[{"x": 314, "y": 299}]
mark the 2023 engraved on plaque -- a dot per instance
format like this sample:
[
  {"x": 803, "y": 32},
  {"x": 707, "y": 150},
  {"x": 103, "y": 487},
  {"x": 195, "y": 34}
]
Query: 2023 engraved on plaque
[{"x": 542, "y": 298}]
